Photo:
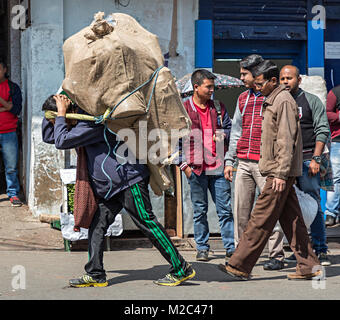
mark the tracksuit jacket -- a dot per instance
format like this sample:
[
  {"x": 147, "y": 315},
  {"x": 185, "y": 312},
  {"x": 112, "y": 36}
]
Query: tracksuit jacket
[{"x": 107, "y": 175}]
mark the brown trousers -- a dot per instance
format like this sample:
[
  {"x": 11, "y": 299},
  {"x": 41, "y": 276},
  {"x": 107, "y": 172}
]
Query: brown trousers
[
  {"x": 248, "y": 177},
  {"x": 270, "y": 207}
]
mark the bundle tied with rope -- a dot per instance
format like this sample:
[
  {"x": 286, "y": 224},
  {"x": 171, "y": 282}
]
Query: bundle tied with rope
[{"x": 114, "y": 71}]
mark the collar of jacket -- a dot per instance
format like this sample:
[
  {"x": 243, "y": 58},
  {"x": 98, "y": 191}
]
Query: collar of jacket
[
  {"x": 270, "y": 99},
  {"x": 209, "y": 103},
  {"x": 299, "y": 92},
  {"x": 256, "y": 93}
]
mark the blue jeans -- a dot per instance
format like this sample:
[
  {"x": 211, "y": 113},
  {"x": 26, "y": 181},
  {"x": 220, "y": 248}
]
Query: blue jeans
[
  {"x": 220, "y": 191},
  {"x": 311, "y": 185},
  {"x": 333, "y": 197},
  {"x": 9, "y": 150}
]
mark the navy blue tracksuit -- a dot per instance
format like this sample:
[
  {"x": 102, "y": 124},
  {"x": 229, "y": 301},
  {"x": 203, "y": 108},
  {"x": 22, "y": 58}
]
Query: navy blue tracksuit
[{"x": 125, "y": 187}]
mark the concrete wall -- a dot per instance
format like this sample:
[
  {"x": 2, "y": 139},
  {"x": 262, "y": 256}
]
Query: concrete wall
[
  {"x": 155, "y": 16},
  {"x": 43, "y": 71}
]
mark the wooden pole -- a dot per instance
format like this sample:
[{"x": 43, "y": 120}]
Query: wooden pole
[{"x": 179, "y": 220}]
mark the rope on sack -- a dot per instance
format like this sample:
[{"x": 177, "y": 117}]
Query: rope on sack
[
  {"x": 102, "y": 119},
  {"x": 108, "y": 113}
]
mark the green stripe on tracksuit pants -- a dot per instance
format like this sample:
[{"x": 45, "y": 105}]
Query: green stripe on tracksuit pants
[{"x": 136, "y": 202}]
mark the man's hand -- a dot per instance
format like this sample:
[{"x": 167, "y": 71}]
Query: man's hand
[
  {"x": 219, "y": 136},
  {"x": 314, "y": 168},
  {"x": 6, "y": 105},
  {"x": 228, "y": 173},
  {"x": 62, "y": 103},
  {"x": 188, "y": 172},
  {"x": 278, "y": 185}
]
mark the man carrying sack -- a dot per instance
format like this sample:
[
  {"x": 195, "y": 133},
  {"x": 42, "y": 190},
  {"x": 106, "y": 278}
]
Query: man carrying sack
[{"x": 116, "y": 186}]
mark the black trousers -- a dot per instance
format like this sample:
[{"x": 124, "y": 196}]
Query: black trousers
[{"x": 136, "y": 201}]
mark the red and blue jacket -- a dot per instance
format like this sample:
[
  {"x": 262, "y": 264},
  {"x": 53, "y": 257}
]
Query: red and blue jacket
[
  {"x": 191, "y": 149},
  {"x": 10, "y": 91}
]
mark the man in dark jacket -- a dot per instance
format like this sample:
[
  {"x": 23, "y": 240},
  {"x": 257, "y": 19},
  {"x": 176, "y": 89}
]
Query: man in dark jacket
[
  {"x": 10, "y": 108},
  {"x": 116, "y": 186},
  {"x": 204, "y": 153}
]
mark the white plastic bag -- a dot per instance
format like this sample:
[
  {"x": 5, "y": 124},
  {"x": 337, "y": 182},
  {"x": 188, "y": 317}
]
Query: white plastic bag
[
  {"x": 309, "y": 208},
  {"x": 308, "y": 205},
  {"x": 116, "y": 228},
  {"x": 67, "y": 224}
]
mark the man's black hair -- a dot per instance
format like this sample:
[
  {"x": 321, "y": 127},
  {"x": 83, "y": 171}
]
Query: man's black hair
[
  {"x": 4, "y": 65},
  {"x": 268, "y": 69},
  {"x": 50, "y": 104},
  {"x": 251, "y": 61},
  {"x": 199, "y": 75}
]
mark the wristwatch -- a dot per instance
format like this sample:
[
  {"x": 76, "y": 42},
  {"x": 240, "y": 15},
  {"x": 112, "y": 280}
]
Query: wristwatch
[{"x": 317, "y": 159}]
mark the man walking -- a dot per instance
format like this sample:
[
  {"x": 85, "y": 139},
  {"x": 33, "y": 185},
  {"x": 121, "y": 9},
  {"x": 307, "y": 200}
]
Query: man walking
[
  {"x": 281, "y": 162},
  {"x": 315, "y": 133},
  {"x": 245, "y": 140},
  {"x": 115, "y": 186},
  {"x": 333, "y": 197},
  {"x": 10, "y": 108},
  {"x": 203, "y": 166}
]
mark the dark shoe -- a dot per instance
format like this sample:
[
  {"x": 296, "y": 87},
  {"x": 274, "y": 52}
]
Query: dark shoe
[
  {"x": 15, "y": 201},
  {"x": 273, "y": 264},
  {"x": 234, "y": 273},
  {"x": 202, "y": 255},
  {"x": 323, "y": 258},
  {"x": 295, "y": 276},
  {"x": 291, "y": 258},
  {"x": 87, "y": 281},
  {"x": 330, "y": 221},
  {"x": 172, "y": 280}
]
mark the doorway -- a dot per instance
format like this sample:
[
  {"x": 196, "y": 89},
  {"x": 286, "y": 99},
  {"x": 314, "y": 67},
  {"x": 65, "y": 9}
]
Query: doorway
[{"x": 231, "y": 67}]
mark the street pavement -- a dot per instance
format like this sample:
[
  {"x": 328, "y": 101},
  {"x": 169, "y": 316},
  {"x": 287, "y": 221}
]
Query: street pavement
[
  {"x": 44, "y": 275},
  {"x": 35, "y": 266}
]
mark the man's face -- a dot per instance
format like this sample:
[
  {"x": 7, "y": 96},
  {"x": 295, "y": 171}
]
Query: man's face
[
  {"x": 289, "y": 78},
  {"x": 247, "y": 78},
  {"x": 206, "y": 89},
  {"x": 265, "y": 86},
  {"x": 3, "y": 71}
]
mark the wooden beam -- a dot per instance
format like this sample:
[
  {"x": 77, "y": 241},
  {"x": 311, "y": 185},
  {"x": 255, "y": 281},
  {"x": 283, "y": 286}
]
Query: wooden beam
[{"x": 179, "y": 219}]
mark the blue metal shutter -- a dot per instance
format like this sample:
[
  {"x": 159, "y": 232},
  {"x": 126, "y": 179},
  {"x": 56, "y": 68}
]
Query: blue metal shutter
[{"x": 259, "y": 20}]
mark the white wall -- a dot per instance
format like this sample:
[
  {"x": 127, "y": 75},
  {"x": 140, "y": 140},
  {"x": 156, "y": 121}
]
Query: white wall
[
  {"x": 155, "y": 16},
  {"x": 43, "y": 71}
]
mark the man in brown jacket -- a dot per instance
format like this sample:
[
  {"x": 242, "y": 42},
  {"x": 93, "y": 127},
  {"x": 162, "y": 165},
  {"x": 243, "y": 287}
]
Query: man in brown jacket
[{"x": 281, "y": 162}]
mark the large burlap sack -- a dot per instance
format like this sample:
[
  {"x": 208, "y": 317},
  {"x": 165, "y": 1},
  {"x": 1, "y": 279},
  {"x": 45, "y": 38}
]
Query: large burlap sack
[
  {"x": 108, "y": 60},
  {"x": 315, "y": 85}
]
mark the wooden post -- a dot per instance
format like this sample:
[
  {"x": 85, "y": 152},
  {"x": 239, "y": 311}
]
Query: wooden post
[{"x": 179, "y": 220}]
